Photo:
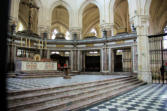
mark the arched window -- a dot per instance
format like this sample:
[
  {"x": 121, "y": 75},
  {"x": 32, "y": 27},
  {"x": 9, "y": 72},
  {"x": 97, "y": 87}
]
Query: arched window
[
  {"x": 93, "y": 31},
  {"x": 54, "y": 34},
  {"x": 55, "y": 52},
  {"x": 67, "y": 35},
  {"x": 165, "y": 38}
]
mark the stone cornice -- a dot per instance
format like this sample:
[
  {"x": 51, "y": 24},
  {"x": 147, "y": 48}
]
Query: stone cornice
[{"x": 77, "y": 42}]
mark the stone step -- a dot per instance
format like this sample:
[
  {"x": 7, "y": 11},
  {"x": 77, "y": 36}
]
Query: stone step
[
  {"x": 64, "y": 101},
  {"x": 42, "y": 75},
  {"x": 61, "y": 94},
  {"x": 35, "y": 74},
  {"x": 56, "y": 105},
  {"x": 77, "y": 105},
  {"x": 31, "y": 92},
  {"x": 58, "y": 91},
  {"x": 83, "y": 104},
  {"x": 38, "y": 76}
]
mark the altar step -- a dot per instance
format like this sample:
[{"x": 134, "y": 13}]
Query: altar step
[
  {"x": 39, "y": 74},
  {"x": 70, "y": 97},
  {"x": 102, "y": 73}
]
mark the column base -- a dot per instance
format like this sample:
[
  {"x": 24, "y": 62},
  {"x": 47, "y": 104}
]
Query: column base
[
  {"x": 67, "y": 77},
  {"x": 145, "y": 76},
  {"x": 105, "y": 72}
]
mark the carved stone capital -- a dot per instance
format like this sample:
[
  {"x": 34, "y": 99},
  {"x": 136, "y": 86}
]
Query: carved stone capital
[
  {"x": 141, "y": 20},
  {"x": 106, "y": 26},
  {"x": 42, "y": 29},
  {"x": 12, "y": 20},
  {"x": 75, "y": 30}
]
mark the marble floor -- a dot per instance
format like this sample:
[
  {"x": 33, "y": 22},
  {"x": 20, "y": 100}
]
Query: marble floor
[
  {"x": 34, "y": 83},
  {"x": 151, "y": 97}
]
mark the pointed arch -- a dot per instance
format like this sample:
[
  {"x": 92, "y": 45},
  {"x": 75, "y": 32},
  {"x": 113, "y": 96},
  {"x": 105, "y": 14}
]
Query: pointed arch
[
  {"x": 121, "y": 16},
  {"x": 83, "y": 6},
  {"x": 64, "y": 4}
]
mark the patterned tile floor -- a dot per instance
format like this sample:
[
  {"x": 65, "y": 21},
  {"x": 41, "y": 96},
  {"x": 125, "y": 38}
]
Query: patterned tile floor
[
  {"x": 151, "y": 97},
  {"x": 34, "y": 83}
]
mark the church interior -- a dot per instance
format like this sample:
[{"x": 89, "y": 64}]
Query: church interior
[{"x": 87, "y": 55}]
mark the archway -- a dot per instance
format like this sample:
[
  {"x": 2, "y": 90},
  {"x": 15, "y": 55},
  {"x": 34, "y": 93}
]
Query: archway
[
  {"x": 122, "y": 59},
  {"x": 121, "y": 17},
  {"x": 91, "y": 60},
  {"x": 60, "y": 22},
  {"x": 90, "y": 20}
]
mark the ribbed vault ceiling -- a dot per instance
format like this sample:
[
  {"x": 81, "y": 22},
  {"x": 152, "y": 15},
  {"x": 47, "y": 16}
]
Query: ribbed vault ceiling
[
  {"x": 121, "y": 15},
  {"x": 90, "y": 18},
  {"x": 158, "y": 15},
  {"x": 60, "y": 16}
]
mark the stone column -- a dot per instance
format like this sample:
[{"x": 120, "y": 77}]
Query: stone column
[
  {"x": 79, "y": 60},
  {"x": 44, "y": 21},
  {"x": 71, "y": 60},
  {"x": 109, "y": 59},
  {"x": 107, "y": 27},
  {"x": 101, "y": 60},
  {"x": 74, "y": 60},
  {"x": 75, "y": 30},
  {"x": 112, "y": 60},
  {"x": 12, "y": 50},
  {"x": 12, "y": 57},
  {"x": 142, "y": 24},
  {"x": 83, "y": 61},
  {"x": 48, "y": 54},
  {"x": 41, "y": 53},
  {"x": 134, "y": 56},
  {"x": 105, "y": 59}
]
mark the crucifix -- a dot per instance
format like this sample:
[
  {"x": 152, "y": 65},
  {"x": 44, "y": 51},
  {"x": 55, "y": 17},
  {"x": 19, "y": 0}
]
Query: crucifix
[{"x": 30, "y": 6}]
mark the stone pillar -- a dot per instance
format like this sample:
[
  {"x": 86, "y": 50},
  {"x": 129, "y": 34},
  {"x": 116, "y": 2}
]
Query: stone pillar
[
  {"x": 12, "y": 57},
  {"x": 112, "y": 60},
  {"x": 107, "y": 27},
  {"x": 74, "y": 60},
  {"x": 142, "y": 24},
  {"x": 12, "y": 50},
  {"x": 105, "y": 59},
  {"x": 101, "y": 60},
  {"x": 48, "y": 54},
  {"x": 41, "y": 52},
  {"x": 134, "y": 56},
  {"x": 79, "y": 61},
  {"x": 77, "y": 31},
  {"x": 109, "y": 59},
  {"x": 83, "y": 60},
  {"x": 44, "y": 21}
]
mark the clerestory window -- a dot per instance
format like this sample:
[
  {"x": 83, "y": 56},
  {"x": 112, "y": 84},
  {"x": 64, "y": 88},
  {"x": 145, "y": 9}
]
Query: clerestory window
[
  {"x": 93, "y": 31},
  {"x": 54, "y": 34}
]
